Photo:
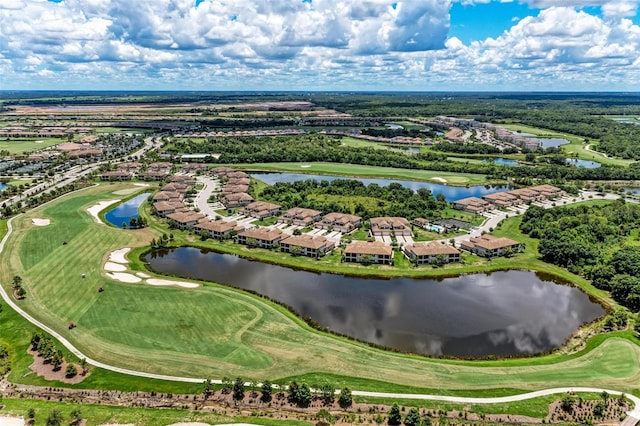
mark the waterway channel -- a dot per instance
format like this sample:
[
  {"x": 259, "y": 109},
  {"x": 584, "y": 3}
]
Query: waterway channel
[
  {"x": 451, "y": 193},
  {"x": 476, "y": 315}
]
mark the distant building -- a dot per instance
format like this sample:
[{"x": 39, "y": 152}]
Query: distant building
[
  {"x": 430, "y": 252},
  {"x": 368, "y": 252},
  {"x": 306, "y": 245},
  {"x": 490, "y": 246},
  {"x": 341, "y": 222},
  {"x": 501, "y": 199},
  {"x": 261, "y": 210},
  {"x": 261, "y": 237},
  {"x": 472, "y": 205},
  {"x": 186, "y": 220},
  {"x": 117, "y": 175},
  {"x": 300, "y": 216},
  {"x": 218, "y": 229},
  {"x": 239, "y": 199},
  {"x": 385, "y": 226}
]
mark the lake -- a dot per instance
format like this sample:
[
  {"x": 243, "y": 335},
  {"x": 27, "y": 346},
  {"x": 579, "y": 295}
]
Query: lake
[
  {"x": 126, "y": 211},
  {"x": 475, "y": 315},
  {"x": 583, "y": 163},
  {"x": 451, "y": 193},
  {"x": 552, "y": 142}
]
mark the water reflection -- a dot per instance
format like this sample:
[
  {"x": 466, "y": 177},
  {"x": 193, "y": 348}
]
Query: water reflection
[
  {"x": 126, "y": 211},
  {"x": 503, "y": 313}
]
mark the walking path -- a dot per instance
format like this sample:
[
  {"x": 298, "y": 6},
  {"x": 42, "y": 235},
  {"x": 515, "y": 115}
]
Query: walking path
[{"x": 633, "y": 416}]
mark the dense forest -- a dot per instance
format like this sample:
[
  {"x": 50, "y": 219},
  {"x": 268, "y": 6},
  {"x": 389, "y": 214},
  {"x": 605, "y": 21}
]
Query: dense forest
[
  {"x": 598, "y": 242},
  {"x": 352, "y": 196}
]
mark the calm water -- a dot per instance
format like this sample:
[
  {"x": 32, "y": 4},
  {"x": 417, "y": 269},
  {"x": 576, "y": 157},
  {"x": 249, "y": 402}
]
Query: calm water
[
  {"x": 633, "y": 190},
  {"x": 125, "y": 211},
  {"x": 451, "y": 193},
  {"x": 2, "y": 186},
  {"x": 505, "y": 162},
  {"x": 583, "y": 163},
  {"x": 552, "y": 142},
  {"x": 504, "y": 313}
]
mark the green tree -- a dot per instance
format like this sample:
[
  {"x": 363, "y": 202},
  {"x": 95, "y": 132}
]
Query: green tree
[
  {"x": 56, "y": 360},
  {"x": 345, "y": 400},
  {"x": 304, "y": 395},
  {"x": 238, "y": 389},
  {"x": 76, "y": 415},
  {"x": 266, "y": 390},
  {"x": 54, "y": 418},
  {"x": 227, "y": 385},
  {"x": 31, "y": 413},
  {"x": 394, "y": 418},
  {"x": 567, "y": 403},
  {"x": 71, "y": 371},
  {"x": 413, "y": 417},
  {"x": 328, "y": 393}
]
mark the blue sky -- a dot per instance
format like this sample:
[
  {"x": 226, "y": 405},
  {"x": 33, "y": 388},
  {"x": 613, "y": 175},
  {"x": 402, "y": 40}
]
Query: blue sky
[{"x": 454, "y": 45}]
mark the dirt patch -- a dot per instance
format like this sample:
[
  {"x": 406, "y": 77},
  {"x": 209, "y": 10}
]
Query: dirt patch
[{"x": 45, "y": 370}]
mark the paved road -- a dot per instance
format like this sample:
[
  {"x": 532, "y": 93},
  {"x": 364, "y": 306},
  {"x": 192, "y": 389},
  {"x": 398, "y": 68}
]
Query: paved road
[
  {"x": 203, "y": 195},
  {"x": 634, "y": 415}
]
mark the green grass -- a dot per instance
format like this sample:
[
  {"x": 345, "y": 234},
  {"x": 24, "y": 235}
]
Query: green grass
[
  {"x": 20, "y": 145},
  {"x": 3, "y": 228},
  {"x": 214, "y": 331},
  {"x": 575, "y": 147},
  {"x": 352, "y": 170},
  {"x": 108, "y": 414},
  {"x": 349, "y": 202}
]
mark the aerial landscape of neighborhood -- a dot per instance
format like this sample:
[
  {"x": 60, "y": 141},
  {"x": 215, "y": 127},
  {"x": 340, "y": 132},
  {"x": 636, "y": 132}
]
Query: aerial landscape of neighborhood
[
  {"x": 319, "y": 212},
  {"x": 326, "y": 258}
]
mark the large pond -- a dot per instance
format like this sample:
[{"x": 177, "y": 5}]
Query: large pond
[
  {"x": 126, "y": 211},
  {"x": 451, "y": 193},
  {"x": 477, "y": 315},
  {"x": 552, "y": 142},
  {"x": 583, "y": 163}
]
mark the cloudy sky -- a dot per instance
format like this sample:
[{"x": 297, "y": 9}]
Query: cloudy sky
[{"x": 584, "y": 45}]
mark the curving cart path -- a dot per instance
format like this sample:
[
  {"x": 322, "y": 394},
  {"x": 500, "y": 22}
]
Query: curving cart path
[{"x": 632, "y": 416}]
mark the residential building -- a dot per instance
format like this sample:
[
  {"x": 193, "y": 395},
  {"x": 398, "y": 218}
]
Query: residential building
[
  {"x": 261, "y": 210},
  {"x": 167, "y": 196},
  {"x": 342, "y": 222},
  {"x": 431, "y": 252},
  {"x": 218, "y": 229},
  {"x": 186, "y": 220},
  {"x": 548, "y": 191},
  {"x": 117, "y": 175},
  {"x": 490, "y": 246},
  {"x": 261, "y": 237},
  {"x": 501, "y": 199},
  {"x": 306, "y": 245},
  {"x": 384, "y": 226},
  {"x": 472, "y": 205},
  {"x": 368, "y": 252},
  {"x": 300, "y": 216},
  {"x": 153, "y": 175},
  {"x": 164, "y": 208},
  {"x": 527, "y": 195},
  {"x": 239, "y": 199}
]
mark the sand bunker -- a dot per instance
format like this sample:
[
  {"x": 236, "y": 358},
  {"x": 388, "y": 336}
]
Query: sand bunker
[
  {"x": 156, "y": 281},
  {"x": 95, "y": 209},
  {"x": 40, "y": 222},
  {"x": 126, "y": 191},
  {"x": 439, "y": 179},
  {"x": 118, "y": 256},
  {"x": 124, "y": 277},
  {"x": 114, "y": 267},
  {"x": 11, "y": 421},
  {"x": 143, "y": 275},
  {"x": 118, "y": 424},
  {"x": 190, "y": 424},
  {"x": 141, "y": 184},
  {"x": 305, "y": 166}
]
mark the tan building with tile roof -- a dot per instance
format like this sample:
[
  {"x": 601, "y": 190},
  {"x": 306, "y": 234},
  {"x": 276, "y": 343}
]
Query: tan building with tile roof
[
  {"x": 306, "y": 245},
  {"x": 431, "y": 252},
  {"x": 368, "y": 252},
  {"x": 490, "y": 246}
]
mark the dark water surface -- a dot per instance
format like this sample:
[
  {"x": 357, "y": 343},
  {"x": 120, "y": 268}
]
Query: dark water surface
[
  {"x": 2, "y": 186},
  {"x": 451, "y": 193},
  {"x": 125, "y": 211},
  {"x": 476, "y": 315}
]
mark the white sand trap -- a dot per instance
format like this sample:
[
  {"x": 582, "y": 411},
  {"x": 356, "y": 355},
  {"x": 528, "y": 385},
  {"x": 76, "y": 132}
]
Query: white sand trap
[
  {"x": 124, "y": 277},
  {"x": 39, "y": 141},
  {"x": 305, "y": 166},
  {"x": 141, "y": 184},
  {"x": 114, "y": 267},
  {"x": 118, "y": 256},
  {"x": 190, "y": 424},
  {"x": 40, "y": 222},
  {"x": 94, "y": 210},
  {"x": 156, "y": 281},
  {"x": 126, "y": 191},
  {"x": 143, "y": 275},
  {"x": 118, "y": 424},
  {"x": 11, "y": 421},
  {"x": 439, "y": 179}
]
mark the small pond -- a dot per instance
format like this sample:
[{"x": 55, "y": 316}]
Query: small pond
[
  {"x": 505, "y": 162},
  {"x": 3, "y": 186},
  {"x": 583, "y": 163},
  {"x": 126, "y": 211},
  {"x": 393, "y": 126},
  {"x": 552, "y": 142},
  {"x": 632, "y": 190},
  {"x": 451, "y": 193},
  {"x": 476, "y": 315}
]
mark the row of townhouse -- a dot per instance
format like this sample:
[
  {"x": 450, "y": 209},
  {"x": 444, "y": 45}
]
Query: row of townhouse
[
  {"x": 127, "y": 171},
  {"x": 386, "y": 226},
  {"x": 490, "y": 246},
  {"x": 260, "y": 210},
  {"x": 300, "y": 216},
  {"x": 508, "y": 198}
]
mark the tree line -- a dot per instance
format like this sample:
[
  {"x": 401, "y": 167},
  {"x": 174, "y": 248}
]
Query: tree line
[
  {"x": 392, "y": 200},
  {"x": 598, "y": 242}
]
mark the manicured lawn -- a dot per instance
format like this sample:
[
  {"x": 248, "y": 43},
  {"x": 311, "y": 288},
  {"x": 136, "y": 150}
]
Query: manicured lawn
[
  {"x": 20, "y": 145},
  {"x": 368, "y": 171},
  {"x": 214, "y": 331},
  {"x": 576, "y": 146}
]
